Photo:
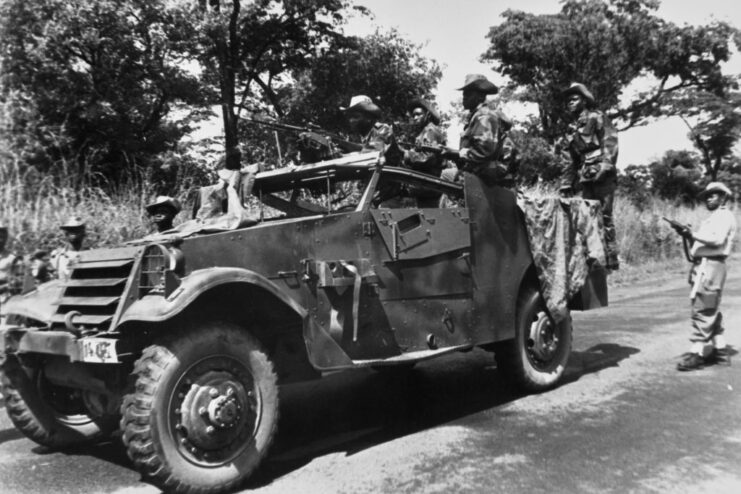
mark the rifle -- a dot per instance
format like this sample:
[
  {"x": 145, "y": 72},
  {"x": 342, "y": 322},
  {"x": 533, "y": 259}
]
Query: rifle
[
  {"x": 313, "y": 133},
  {"x": 685, "y": 241}
]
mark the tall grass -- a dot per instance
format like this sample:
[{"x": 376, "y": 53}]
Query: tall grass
[{"x": 34, "y": 213}]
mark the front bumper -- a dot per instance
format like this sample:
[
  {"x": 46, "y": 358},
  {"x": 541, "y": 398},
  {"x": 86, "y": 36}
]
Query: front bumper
[{"x": 23, "y": 340}]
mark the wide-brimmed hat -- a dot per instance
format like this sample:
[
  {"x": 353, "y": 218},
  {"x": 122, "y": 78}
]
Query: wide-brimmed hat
[
  {"x": 581, "y": 90},
  {"x": 427, "y": 106},
  {"x": 364, "y": 104},
  {"x": 73, "y": 223},
  {"x": 715, "y": 187},
  {"x": 480, "y": 83},
  {"x": 163, "y": 201}
]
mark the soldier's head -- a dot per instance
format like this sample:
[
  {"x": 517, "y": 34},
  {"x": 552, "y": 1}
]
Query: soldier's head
[
  {"x": 3, "y": 237},
  {"x": 74, "y": 232},
  {"x": 715, "y": 195},
  {"x": 162, "y": 212},
  {"x": 421, "y": 112},
  {"x": 475, "y": 89},
  {"x": 361, "y": 114},
  {"x": 577, "y": 97}
]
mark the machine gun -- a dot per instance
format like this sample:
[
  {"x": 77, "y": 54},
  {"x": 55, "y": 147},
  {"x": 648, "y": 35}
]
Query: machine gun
[
  {"x": 679, "y": 228},
  {"x": 314, "y": 143}
]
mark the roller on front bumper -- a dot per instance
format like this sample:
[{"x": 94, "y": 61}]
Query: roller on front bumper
[{"x": 20, "y": 340}]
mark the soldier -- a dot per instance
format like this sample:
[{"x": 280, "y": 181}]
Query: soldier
[
  {"x": 74, "y": 232},
  {"x": 362, "y": 117},
  {"x": 482, "y": 144},
  {"x": 711, "y": 246},
  {"x": 589, "y": 153},
  {"x": 425, "y": 125},
  {"x": 162, "y": 212}
]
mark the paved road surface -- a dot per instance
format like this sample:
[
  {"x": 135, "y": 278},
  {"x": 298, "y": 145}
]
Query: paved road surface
[{"x": 624, "y": 421}]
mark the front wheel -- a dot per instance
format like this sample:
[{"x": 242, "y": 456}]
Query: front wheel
[
  {"x": 535, "y": 360},
  {"x": 204, "y": 410},
  {"x": 51, "y": 415}
]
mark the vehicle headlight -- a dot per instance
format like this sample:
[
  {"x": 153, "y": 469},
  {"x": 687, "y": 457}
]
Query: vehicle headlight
[{"x": 158, "y": 267}]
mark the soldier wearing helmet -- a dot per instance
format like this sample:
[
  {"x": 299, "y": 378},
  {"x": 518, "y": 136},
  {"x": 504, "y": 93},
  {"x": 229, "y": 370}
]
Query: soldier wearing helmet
[
  {"x": 589, "y": 153},
  {"x": 711, "y": 245}
]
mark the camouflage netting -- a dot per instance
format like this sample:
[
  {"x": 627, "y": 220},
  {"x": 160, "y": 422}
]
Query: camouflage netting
[{"x": 566, "y": 236}]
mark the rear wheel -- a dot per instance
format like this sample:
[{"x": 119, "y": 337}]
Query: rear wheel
[
  {"x": 535, "y": 360},
  {"x": 51, "y": 415},
  {"x": 204, "y": 412}
]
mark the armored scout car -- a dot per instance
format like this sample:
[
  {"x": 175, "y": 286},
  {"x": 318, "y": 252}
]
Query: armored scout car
[{"x": 179, "y": 342}]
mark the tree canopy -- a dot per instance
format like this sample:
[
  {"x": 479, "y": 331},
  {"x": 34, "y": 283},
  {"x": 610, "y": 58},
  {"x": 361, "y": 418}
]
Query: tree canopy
[
  {"x": 608, "y": 45},
  {"x": 86, "y": 86}
]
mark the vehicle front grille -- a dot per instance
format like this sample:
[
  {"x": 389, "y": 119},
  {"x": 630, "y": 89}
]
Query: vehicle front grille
[{"x": 95, "y": 288}]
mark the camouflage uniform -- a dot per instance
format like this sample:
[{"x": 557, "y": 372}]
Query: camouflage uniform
[
  {"x": 424, "y": 161},
  {"x": 590, "y": 152},
  {"x": 482, "y": 146},
  {"x": 379, "y": 136}
]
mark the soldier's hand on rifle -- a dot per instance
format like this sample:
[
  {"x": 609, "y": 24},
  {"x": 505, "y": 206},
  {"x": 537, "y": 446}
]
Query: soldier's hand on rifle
[
  {"x": 683, "y": 230},
  {"x": 450, "y": 153}
]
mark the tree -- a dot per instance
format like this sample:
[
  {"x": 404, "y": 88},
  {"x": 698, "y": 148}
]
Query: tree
[
  {"x": 248, "y": 50},
  {"x": 88, "y": 85},
  {"x": 384, "y": 66},
  {"x": 676, "y": 176},
  {"x": 609, "y": 44},
  {"x": 715, "y": 125}
]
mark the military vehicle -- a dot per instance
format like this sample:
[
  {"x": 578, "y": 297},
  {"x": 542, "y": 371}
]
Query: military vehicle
[{"x": 179, "y": 342}]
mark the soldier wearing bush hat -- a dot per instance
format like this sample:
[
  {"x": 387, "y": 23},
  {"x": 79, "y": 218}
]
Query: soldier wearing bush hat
[
  {"x": 480, "y": 150},
  {"x": 363, "y": 119},
  {"x": 588, "y": 155},
  {"x": 162, "y": 212},
  {"x": 711, "y": 245},
  {"x": 61, "y": 258}
]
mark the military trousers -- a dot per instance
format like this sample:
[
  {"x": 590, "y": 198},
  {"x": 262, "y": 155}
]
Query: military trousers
[
  {"x": 707, "y": 278},
  {"x": 604, "y": 192}
]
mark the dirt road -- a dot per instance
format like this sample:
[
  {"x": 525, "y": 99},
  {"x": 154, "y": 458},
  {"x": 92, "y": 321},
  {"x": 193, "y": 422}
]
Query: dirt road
[{"x": 624, "y": 421}]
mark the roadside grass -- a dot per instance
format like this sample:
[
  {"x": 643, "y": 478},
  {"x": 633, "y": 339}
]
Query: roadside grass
[{"x": 649, "y": 248}]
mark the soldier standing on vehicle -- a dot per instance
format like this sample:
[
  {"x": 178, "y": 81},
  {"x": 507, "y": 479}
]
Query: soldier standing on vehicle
[
  {"x": 363, "y": 119},
  {"x": 74, "y": 232},
  {"x": 425, "y": 126},
  {"x": 162, "y": 212},
  {"x": 711, "y": 245},
  {"x": 482, "y": 144},
  {"x": 589, "y": 153}
]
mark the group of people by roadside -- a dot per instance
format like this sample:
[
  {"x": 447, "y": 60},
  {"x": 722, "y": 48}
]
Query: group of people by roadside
[{"x": 45, "y": 266}]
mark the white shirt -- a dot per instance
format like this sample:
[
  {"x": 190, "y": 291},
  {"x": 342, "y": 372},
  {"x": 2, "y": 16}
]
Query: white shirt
[{"x": 715, "y": 235}]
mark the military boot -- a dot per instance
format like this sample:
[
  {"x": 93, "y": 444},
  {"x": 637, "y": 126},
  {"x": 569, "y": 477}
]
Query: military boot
[{"x": 691, "y": 362}]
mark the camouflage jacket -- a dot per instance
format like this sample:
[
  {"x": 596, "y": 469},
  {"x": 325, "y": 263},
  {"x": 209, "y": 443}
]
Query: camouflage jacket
[
  {"x": 379, "y": 136},
  {"x": 480, "y": 141},
  {"x": 423, "y": 161},
  {"x": 590, "y": 143}
]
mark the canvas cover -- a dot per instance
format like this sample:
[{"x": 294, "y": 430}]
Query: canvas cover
[{"x": 566, "y": 237}]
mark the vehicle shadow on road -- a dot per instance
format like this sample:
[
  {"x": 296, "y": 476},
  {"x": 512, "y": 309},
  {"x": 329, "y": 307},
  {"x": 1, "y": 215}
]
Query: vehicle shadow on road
[
  {"x": 595, "y": 359},
  {"x": 351, "y": 412}
]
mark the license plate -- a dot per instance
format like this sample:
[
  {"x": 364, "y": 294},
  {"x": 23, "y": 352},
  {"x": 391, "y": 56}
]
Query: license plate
[{"x": 98, "y": 350}]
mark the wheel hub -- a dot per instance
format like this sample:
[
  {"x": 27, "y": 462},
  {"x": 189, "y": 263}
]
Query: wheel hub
[
  {"x": 543, "y": 340},
  {"x": 214, "y": 413}
]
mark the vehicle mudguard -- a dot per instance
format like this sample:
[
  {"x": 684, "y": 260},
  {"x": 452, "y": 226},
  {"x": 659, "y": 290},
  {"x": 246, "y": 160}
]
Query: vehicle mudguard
[
  {"x": 157, "y": 308},
  {"x": 323, "y": 351}
]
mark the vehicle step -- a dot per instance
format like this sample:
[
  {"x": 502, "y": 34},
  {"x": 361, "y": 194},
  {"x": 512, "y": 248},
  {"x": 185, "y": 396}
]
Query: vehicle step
[{"x": 91, "y": 282}]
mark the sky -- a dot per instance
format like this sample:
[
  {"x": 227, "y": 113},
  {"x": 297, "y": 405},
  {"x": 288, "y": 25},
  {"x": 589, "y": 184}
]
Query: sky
[{"x": 453, "y": 32}]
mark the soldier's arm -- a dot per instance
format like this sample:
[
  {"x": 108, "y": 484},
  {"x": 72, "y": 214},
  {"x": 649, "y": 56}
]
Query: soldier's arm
[
  {"x": 425, "y": 160},
  {"x": 483, "y": 145}
]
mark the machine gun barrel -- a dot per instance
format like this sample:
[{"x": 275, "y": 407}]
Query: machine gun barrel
[{"x": 338, "y": 140}]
